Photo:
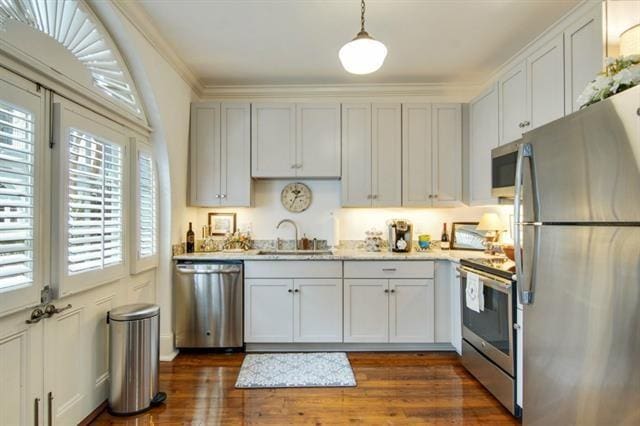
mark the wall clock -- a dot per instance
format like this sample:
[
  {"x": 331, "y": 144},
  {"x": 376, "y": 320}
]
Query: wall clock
[{"x": 296, "y": 197}]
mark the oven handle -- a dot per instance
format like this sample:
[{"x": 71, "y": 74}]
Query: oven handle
[{"x": 496, "y": 283}]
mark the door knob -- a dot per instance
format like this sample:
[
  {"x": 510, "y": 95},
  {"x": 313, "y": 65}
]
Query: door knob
[
  {"x": 386, "y": 290},
  {"x": 296, "y": 290},
  {"x": 289, "y": 291}
]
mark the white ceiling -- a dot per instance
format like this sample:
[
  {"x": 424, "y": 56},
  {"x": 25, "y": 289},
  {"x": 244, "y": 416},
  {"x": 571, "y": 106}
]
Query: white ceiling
[{"x": 246, "y": 42}]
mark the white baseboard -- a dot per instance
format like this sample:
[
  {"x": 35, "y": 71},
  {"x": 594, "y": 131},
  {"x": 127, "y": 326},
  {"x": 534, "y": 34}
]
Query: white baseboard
[
  {"x": 349, "y": 347},
  {"x": 167, "y": 351}
]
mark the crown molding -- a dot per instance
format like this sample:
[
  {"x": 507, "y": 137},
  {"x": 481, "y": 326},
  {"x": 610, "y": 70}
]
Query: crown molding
[
  {"x": 141, "y": 22},
  {"x": 464, "y": 91}
]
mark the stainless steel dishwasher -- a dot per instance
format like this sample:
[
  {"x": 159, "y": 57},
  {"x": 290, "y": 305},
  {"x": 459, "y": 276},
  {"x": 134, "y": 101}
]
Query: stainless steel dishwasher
[{"x": 207, "y": 304}]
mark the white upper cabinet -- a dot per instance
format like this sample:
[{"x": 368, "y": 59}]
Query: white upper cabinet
[
  {"x": 204, "y": 167},
  {"x": 356, "y": 155},
  {"x": 273, "y": 140},
  {"x": 318, "y": 140},
  {"x": 447, "y": 155},
  {"x": 220, "y": 148},
  {"x": 386, "y": 148},
  {"x": 417, "y": 157},
  {"x": 431, "y": 155},
  {"x": 483, "y": 123},
  {"x": 235, "y": 152},
  {"x": 545, "y": 83},
  {"x": 371, "y": 155},
  {"x": 296, "y": 140},
  {"x": 583, "y": 54},
  {"x": 512, "y": 89}
]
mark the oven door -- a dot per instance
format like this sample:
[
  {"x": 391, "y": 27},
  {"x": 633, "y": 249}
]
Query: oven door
[
  {"x": 503, "y": 170},
  {"x": 491, "y": 330}
]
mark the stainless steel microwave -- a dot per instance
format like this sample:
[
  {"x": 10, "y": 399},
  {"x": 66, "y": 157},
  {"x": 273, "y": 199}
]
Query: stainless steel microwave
[{"x": 503, "y": 170}]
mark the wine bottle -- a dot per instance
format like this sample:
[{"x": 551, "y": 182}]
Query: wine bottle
[
  {"x": 444, "y": 239},
  {"x": 191, "y": 240}
]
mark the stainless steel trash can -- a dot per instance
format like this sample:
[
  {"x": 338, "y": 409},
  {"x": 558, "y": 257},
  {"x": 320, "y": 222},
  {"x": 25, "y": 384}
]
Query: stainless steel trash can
[{"x": 134, "y": 350}]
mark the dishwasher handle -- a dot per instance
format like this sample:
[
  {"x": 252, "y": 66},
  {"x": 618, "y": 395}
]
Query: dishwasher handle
[{"x": 208, "y": 269}]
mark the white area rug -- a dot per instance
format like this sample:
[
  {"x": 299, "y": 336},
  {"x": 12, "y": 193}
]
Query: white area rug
[{"x": 296, "y": 370}]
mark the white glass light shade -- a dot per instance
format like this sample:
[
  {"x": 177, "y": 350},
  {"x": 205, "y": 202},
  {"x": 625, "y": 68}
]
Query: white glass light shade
[{"x": 362, "y": 55}]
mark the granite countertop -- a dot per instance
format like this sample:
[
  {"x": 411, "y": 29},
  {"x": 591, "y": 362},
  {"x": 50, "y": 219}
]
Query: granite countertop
[{"x": 339, "y": 254}]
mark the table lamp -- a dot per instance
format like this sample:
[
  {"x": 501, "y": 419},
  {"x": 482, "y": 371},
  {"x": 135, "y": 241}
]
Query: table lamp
[{"x": 493, "y": 225}]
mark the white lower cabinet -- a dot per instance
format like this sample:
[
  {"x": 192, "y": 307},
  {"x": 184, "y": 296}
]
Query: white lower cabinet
[
  {"x": 389, "y": 302},
  {"x": 293, "y": 309},
  {"x": 366, "y": 310},
  {"x": 268, "y": 310},
  {"x": 411, "y": 313},
  {"x": 317, "y": 310}
]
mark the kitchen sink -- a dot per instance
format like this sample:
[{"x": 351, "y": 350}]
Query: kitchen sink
[{"x": 295, "y": 252}]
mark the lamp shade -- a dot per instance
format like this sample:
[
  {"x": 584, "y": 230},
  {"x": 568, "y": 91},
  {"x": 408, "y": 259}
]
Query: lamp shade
[
  {"x": 363, "y": 54},
  {"x": 630, "y": 41},
  {"x": 491, "y": 222}
]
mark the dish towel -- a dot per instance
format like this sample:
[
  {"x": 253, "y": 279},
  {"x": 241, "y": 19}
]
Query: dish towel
[{"x": 474, "y": 293}]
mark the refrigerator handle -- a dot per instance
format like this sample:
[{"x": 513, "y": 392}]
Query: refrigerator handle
[{"x": 524, "y": 151}]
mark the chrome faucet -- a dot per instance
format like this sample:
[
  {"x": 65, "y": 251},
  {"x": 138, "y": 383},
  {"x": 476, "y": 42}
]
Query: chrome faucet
[{"x": 295, "y": 227}]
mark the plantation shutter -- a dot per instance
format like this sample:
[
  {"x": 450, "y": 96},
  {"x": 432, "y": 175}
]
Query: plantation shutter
[
  {"x": 147, "y": 205},
  {"x": 95, "y": 210},
  {"x": 17, "y": 149}
]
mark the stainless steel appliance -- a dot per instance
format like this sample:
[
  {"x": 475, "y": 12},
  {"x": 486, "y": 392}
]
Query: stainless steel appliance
[
  {"x": 400, "y": 235},
  {"x": 134, "y": 351},
  {"x": 503, "y": 170},
  {"x": 489, "y": 348},
  {"x": 578, "y": 204},
  {"x": 207, "y": 304}
]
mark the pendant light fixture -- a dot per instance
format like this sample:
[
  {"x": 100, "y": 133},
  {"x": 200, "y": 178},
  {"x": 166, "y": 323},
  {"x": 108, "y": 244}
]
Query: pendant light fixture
[{"x": 363, "y": 54}]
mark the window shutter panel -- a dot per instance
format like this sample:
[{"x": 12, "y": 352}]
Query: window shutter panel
[
  {"x": 16, "y": 196},
  {"x": 147, "y": 202}
]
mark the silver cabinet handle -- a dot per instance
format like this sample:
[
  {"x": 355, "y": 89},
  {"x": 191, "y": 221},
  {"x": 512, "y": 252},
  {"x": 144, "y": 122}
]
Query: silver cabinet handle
[
  {"x": 223, "y": 196},
  {"x": 297, "y": 290},
  {"x": 389, "y": 269},
  {"x": 430, "y": 196},
  {"x": 393, "y": 290},
  {"x": 386, "y": 290},
  {"x": 516, "y": 326},
  {"x": 289, "y": 290},
  {"x": 217, "y": 195}
]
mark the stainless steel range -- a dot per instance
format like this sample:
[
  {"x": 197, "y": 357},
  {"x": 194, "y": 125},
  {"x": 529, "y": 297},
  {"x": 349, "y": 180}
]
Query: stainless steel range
[{"x": 489, "y": 326}]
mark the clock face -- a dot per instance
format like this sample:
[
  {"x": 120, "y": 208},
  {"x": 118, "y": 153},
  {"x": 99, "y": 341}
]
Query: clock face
[{"x": 296, "y": 197}]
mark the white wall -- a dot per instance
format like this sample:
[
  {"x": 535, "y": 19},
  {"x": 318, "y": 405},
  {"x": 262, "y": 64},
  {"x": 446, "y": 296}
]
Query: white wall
[{"x": 316, "y": 221}]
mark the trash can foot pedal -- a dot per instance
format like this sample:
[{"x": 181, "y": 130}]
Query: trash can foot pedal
[{"x": 160, "y": 398}]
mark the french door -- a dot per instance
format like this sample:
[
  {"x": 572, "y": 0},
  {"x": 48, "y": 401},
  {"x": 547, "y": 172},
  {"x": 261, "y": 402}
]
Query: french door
[{"x": 24, "y": 230}]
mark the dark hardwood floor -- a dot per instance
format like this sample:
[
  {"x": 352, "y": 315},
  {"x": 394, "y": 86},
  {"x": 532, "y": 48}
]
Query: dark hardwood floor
[{"x": 393, "y": 388}]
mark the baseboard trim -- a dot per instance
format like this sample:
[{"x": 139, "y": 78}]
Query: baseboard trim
[
  {"x": 94, "y": 414},
  {"x": 169, "y": 356},
  {"x": 349, "y": 347},
  {"x": 167, "y": 350}
]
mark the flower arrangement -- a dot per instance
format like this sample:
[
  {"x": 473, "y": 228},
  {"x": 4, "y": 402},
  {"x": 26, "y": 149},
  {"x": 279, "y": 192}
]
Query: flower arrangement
[
  {"x": 237, "y": 241},
  {"x": 619, "y": 74}
]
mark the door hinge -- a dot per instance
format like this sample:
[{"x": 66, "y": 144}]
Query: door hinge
[{"x": 52, "y": 142}]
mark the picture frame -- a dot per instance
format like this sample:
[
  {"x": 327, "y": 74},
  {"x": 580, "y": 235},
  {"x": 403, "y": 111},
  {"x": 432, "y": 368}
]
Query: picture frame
[
  {"x": 465, "y": 236},
  {"x": 222, "y": 223}
]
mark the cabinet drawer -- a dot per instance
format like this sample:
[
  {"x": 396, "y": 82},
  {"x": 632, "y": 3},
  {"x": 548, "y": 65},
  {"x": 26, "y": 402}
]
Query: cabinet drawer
[
  {"x": 293, "y": 269},
  {"x": 388, "y": 269}
]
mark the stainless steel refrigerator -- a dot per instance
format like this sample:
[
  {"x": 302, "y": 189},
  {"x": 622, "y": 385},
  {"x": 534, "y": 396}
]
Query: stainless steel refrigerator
[{"x": 578, "y": 198}]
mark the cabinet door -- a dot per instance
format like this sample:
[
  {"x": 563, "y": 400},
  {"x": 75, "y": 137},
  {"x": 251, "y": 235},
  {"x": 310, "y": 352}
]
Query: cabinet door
[
  {"x": 317, "y": 310},
  {"x": 318, "y": 140},
  {"x": 545, "y": 84},
  {"x": 483, "y": 138},
  {"x": 268, "y": 310},
  {"x": 366, "y": 310},
  {"x": 356, "y": 155},
  {"x": 235, "y": 144},
  {"x": 416, "y": 155},
  {"x": 411, "y": 314},
  {"x": 273, "y": 132},
  {"x": 447, "y": 155},
  {"x": 583, "y": 55},
  {"x": 386, "y": 148},
  {"x": 513, "y": 104},
  {"x": 204, "y": 167}
]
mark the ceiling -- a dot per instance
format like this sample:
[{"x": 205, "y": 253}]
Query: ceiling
[{"x": 261, "y": 42}]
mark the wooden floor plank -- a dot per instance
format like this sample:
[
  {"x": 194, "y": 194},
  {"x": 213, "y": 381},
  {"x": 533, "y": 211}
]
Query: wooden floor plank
[{"x": 393, "y": 389}]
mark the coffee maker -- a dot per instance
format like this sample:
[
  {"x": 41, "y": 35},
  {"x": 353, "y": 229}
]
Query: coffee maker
[{"x": 400, "y": 235}]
